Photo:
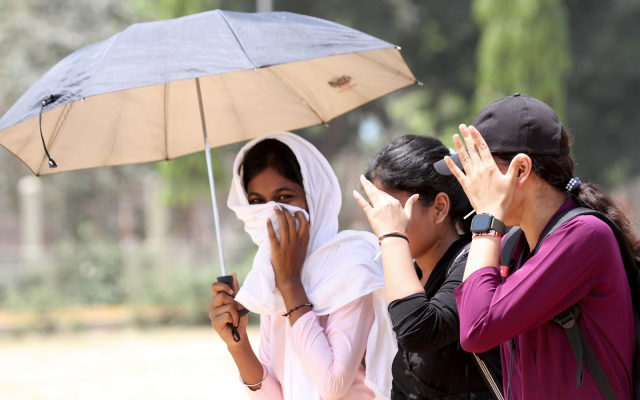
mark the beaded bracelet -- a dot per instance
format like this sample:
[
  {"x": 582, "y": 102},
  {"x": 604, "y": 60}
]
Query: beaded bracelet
[
  {"x": 295, "y": 308},
  {"x": 264, "y": 376}
]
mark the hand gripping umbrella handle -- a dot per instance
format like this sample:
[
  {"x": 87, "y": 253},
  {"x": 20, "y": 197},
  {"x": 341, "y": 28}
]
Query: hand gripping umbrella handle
[{"x": 228, "y": 279}]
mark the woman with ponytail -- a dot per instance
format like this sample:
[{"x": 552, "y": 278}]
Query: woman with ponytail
[
  {"x": 418, "y": 216},
  {"x": 517, "y": 171}
]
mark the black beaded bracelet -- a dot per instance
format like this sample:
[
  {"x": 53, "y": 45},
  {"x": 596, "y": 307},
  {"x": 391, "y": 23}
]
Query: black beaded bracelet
[{"x": 295, "y": 308}]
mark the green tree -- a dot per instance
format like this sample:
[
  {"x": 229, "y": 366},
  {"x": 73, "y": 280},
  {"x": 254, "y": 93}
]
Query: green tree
[
  {"x": 603, "y": 87},
  {"x": 523, "y": 47}
]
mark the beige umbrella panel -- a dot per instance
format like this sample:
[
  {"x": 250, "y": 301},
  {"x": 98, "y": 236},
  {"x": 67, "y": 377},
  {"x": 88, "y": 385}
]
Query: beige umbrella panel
[{"x": 162, "y": 122}]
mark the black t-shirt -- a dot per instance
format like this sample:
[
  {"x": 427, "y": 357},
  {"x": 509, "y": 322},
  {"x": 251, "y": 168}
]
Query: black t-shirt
[{"x": 430, "y": 362}]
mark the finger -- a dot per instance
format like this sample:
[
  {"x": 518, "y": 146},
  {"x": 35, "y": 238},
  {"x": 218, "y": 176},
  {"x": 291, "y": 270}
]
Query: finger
[
  {"x": 460, "y": 176},
  {"x": 284, "y": 226},
  {"x": 472, "y": 144},
  {"x": 408, "y": 206},
  {"x": 228, "y": 308},
  {"x": 462, "y": 152},
  {"x": 220, "y": 300},
  {"x": 235, "y": 285},
  {"x": 273, "y": 238},
  {"x": 217, "y": 287},
  {"x": 481, "y": 144},
  {"x": 370, "y": 189},
  {"x": 362, "y": 202},
  {"x": 219, "y": 321},
  {"x": 303, "y": 231},
  {"x": 291, "y": 222}
]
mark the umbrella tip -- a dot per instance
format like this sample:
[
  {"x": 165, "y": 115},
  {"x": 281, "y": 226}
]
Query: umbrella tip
[
  {"x": 419, "y": 83},
  {"x": 398, "y": 47}
]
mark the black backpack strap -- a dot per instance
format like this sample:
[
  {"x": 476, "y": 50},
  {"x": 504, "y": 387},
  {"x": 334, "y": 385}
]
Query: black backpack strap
[
  {"x": 568, "y": 319},
  {"x": 583, "y": 352},
  {"x": 508, "y": 246}
]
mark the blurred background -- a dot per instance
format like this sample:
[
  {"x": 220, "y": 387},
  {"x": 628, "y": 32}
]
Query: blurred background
[{"x": 131, "y": 250}]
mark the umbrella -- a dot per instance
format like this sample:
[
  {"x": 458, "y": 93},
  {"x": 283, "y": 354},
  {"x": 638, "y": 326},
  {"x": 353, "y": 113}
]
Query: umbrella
[{"x": 155, "y": 90}]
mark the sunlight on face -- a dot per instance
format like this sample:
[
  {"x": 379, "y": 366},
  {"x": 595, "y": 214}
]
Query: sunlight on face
[{"x": 269, "y": 185}]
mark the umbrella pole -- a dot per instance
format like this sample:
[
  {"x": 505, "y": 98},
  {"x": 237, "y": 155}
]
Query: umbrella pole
[{"x": 211, "y": 183}]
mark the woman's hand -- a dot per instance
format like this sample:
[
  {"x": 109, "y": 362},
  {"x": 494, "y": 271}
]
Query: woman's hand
[
  {"x": 288, "y": 253},
  {"x": 223, "y": 310},
  {"x": 488, "y": 189},
  {"x": 385, "y": 213}
]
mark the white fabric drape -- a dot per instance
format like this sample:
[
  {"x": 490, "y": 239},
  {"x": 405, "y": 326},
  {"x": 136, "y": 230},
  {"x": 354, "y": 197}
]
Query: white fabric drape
[{"x": 339, "y": 267}]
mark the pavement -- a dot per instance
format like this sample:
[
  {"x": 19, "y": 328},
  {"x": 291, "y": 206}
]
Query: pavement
[{"x": 128, "y": 364}]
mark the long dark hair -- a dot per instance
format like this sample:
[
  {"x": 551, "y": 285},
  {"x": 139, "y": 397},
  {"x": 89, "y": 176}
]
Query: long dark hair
[
  {"x": 406, "y": 165},
  {"x": 558, "y": 170},
  {"x": 270, "y": 153}
]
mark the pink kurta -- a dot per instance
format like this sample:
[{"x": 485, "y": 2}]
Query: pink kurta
[{"x": 330, "y": 349}]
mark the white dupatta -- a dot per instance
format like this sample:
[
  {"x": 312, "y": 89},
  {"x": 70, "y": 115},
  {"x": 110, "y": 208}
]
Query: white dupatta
[{"x": 339, "y": 267}]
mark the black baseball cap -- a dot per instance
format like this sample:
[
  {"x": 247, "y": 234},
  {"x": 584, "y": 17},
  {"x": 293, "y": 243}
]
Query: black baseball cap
[{"x": 516, "y": 124}]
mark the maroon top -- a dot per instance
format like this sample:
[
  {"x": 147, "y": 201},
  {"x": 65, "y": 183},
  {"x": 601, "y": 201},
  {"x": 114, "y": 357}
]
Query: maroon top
[{"x": 579, "y": 263}]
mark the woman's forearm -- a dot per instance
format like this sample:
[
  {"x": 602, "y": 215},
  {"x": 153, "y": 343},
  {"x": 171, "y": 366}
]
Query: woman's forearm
[
  {"x": 400, "y": 275},
  {"x": 294, "y": 296},
  {"x": 250, "y": 368},
  {"x": 484, "y": 252}
]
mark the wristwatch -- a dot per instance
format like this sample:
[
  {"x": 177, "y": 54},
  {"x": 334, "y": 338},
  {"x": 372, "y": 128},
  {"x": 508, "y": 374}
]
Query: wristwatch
[{"x": 484, "y": 223}]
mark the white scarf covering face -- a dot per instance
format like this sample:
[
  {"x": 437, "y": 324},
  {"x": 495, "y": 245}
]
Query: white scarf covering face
[{"x": 339, "y": 267}]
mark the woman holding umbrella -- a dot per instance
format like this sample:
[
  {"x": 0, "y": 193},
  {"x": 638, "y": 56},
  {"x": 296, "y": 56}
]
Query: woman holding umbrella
[
  {"x": 313, "y": 287},
  {"x": 418, "y": 216}
]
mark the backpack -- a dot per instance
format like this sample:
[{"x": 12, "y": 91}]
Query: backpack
[{"x": 568, "y": 319}]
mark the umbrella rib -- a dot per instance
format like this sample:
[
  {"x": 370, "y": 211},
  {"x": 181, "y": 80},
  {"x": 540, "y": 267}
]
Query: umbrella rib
[
  {"x": 291, "y": 89},
  {"x": 233, "y": 104},
  {"x": 115, "y": 37},
  {"x": 238, "y": 40},
  {"x": 388, "y": 67},
  {"x": 166, "y": 121}
]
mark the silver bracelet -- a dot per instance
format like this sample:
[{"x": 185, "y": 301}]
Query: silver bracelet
[{"x": 266, "y": 373}]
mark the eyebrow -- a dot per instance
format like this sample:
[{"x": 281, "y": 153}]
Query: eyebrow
[{"x": 282, "y": 189}]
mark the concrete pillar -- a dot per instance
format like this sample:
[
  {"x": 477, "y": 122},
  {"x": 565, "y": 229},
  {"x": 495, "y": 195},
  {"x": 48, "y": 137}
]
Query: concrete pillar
[
  {"x": 156, "y": 215},
  {"x": 31, "y": 218},
  {"x": 264, "y": 5}
]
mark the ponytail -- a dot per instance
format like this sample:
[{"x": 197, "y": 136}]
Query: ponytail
[
  {"x": 558, "y": 171},
  {"x": 592, "y": 196}
]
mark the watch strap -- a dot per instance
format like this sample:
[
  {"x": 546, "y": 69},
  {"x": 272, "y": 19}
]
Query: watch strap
[{"x": 497, "y": 225}]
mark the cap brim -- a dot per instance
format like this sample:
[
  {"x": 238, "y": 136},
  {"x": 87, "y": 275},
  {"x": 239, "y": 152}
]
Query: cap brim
[{"x": 443, "y": 169}]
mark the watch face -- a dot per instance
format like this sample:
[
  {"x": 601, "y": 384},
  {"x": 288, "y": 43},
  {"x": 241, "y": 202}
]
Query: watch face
[{"x": 481, "y": 223}]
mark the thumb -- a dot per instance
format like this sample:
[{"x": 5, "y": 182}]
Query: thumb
[{"x": 408, "y": 207}]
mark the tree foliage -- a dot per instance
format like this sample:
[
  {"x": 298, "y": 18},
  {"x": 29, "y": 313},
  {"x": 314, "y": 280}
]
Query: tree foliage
[{"x": 524, "y": 47}]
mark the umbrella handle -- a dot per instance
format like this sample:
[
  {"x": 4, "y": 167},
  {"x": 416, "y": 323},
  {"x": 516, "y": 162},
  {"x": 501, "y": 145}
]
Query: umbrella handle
[{"x": 228, "y": 279}]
